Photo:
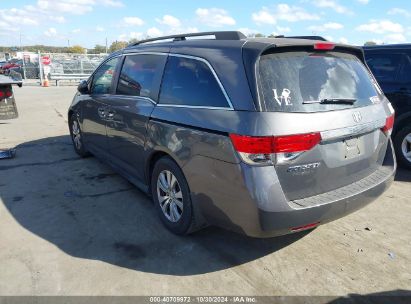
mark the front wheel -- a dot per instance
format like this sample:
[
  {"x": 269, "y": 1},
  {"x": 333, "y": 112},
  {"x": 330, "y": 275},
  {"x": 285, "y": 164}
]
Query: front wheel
[
  {"x": 171, "y": 197},
  {"x": 77, "y": 137},
  {"x": 402, "y": 146}
]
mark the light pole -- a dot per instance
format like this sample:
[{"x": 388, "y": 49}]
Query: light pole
[{"x": 23, "y": 61}]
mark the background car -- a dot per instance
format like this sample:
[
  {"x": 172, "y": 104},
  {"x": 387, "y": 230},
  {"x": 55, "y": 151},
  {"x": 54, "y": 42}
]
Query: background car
[
  {"x": 12, "y": 63},
  {"x": 391, "y": 66},
  {"x": 32, "y": 70}
]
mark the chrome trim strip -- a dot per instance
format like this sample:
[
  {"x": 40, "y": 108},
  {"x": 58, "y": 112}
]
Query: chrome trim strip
[
  {"x": 145, "y": 53},
  {"x": 352, "y": 131},
  {"x": 193, "y": 107},
  {"x": 135, "y": 97}
]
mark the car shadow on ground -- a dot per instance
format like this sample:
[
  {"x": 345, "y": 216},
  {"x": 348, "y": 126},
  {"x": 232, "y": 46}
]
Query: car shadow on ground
[
  {"x": 399, "y": 296},
  {"x": 88, "y": 211}
]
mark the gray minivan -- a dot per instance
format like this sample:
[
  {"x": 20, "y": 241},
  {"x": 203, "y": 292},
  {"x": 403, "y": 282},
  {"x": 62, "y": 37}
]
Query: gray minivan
[{"x": 263, "y": 136}]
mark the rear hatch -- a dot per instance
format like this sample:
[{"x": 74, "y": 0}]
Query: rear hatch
[{"x": 331, "y": 96}]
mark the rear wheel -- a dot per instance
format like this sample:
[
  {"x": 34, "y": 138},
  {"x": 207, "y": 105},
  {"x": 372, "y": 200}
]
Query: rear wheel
[
  {"x": 402, "y": 145},
  {"x": 171, "y": 197},
  {"x": 77, "y": 137}
]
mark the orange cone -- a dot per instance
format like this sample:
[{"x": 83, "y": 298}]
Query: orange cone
[{"x": 46, "y": 82}]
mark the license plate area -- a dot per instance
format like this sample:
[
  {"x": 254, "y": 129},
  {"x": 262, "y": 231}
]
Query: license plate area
[{"x": 352, "y": 147}]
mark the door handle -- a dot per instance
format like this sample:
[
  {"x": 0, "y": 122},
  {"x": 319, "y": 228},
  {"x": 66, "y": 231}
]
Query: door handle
[
  {"x": 111, "y": 114},
  {"x": 101, "y": 112}
]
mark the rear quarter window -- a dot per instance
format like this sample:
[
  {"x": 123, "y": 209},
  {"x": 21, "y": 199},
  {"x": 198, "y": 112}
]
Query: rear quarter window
[
  {"x": 298, "y": 81},
  {"x": 190, "y": 82}
]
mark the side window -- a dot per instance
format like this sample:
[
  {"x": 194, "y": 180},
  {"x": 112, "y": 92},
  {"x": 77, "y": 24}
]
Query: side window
[
  {"x": 405, "y": 75},
  {"x": 138, "y": 74},
  {"x": 103, "y": 77},
  {"x": 385, "y": 67},
  {"x": 190, "y": 82}
]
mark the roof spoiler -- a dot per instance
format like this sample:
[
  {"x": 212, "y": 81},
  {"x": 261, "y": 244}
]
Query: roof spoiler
[{"x": 303, "y": 37}]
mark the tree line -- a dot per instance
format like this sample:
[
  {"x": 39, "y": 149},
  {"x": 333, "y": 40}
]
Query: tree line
[
  {"x": 75, "y": 49},
  {"x": 98, "y": 48}
]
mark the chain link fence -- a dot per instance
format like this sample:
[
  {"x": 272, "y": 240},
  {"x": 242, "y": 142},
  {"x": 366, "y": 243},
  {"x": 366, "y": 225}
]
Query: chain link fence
[
  {"x": 73, "y": 63},
  {"x": 38, "y": 66}
]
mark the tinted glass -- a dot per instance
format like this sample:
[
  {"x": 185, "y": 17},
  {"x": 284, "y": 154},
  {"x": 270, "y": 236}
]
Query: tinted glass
[
  {"x": 405, "y": 74},
  {"x": 190, "y": 82},
  {"x": 298, "y": 81},
  {"x": 138, "y": 74},
  {"x": 103, "y": 77},
  {"x": 384, "y": 66}
]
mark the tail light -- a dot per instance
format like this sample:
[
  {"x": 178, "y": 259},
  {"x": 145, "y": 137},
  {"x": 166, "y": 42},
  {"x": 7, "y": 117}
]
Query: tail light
[
  {"x": 5, "y": 93},
  {"x": 389, "y": 124},
  {"x": 265, "y": 150}
]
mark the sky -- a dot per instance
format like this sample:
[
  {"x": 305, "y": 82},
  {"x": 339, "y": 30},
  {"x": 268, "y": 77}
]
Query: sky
[{"x": 91, "y": 22}]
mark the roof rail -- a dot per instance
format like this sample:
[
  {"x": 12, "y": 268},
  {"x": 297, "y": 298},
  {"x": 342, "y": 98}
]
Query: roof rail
[{"x": 222, "y": 35}]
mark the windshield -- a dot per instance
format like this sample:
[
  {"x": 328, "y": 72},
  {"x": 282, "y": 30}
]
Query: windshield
[{"x": 306, "y": 82}]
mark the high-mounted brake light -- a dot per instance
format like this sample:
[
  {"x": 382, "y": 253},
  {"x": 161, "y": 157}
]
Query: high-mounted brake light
[
  {"x": 389, "y": 125},
  {"x": 262, "y": 150},
  {"x": 324, "y": 46}
]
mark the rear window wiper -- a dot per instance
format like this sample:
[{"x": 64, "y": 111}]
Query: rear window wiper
[{"x": 348, "y": 101}]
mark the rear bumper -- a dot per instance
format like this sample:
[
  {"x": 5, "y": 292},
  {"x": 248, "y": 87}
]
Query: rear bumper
[
  {"x": 250, "y": 199},
  {"x": 277, "y": 223}
]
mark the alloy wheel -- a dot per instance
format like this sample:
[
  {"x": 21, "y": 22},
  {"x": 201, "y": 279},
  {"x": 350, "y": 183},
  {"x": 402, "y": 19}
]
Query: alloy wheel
[
  {"x": 170, "y": 196},
  {"x": 406, "y": 147},
  {"x": 75, "y": 130}
]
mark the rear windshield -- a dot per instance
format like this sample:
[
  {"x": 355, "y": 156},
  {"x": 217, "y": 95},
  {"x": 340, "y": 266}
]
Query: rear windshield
[{"x": 299, "y": 81}]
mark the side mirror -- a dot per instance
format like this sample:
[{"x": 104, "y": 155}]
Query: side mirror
[{"x": 83, "y": 87}]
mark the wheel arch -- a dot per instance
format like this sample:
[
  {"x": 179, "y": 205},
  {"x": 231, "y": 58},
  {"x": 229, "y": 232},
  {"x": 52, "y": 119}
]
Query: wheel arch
[
  {"x": 198, "y": 220},
  {"x": 70, "y": 113},
  {"x": 152, "y": 159},
  {"x": 401, "y": 121}
]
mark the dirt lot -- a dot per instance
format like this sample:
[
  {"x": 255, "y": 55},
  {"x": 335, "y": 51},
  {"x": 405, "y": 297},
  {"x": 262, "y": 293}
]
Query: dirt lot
[{"x": 71, "y": 226}]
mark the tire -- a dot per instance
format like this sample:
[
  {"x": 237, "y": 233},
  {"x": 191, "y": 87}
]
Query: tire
[
  {"x": 402, "y": 146},
  {"x": 77, "y": 137},
  {"x": 182, "y": 220}
]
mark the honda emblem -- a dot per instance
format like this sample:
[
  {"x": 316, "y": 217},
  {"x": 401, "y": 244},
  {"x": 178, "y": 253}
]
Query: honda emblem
[{"x": 357, "y": 117}]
